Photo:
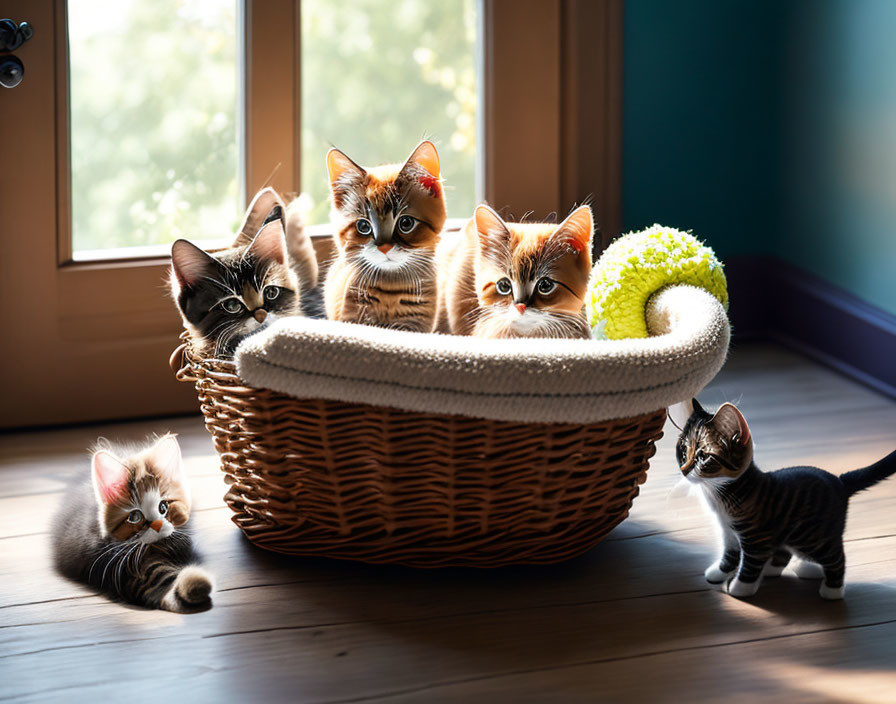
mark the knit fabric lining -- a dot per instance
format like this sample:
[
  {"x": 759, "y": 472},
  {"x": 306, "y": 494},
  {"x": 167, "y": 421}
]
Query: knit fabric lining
[{"x": 525, "y": 380}]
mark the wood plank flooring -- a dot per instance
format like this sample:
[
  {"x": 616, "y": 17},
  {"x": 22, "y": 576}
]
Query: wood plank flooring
[{"x": 633, "y": 620}]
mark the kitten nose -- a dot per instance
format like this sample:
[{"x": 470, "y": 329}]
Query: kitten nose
[
  {"x": 521, "y": 307},
  {"x": 156, "y": 525},
  {"x": 385, "y": 247},
  {"x": 260, "y": 315}
]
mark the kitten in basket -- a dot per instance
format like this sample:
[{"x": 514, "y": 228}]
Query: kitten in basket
[
  {"x": 388, "y": 220},
  {"x": 124, "y": 531},
  {"x": 766, "y": 518},
  {"x": 269, "y": 272},
  {"x": 506, "y": 279}
]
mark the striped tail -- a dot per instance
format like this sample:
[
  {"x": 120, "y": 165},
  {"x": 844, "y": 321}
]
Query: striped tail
[
  {"x": 300, "y": 248},
  {"x": 860, "y": 479}
]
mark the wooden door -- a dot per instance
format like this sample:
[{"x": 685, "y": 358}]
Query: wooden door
[{"x": 88, "y": 338}]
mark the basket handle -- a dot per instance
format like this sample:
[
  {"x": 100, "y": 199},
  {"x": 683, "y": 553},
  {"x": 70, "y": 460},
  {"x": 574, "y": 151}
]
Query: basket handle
[{"x": 179, "y": 365}]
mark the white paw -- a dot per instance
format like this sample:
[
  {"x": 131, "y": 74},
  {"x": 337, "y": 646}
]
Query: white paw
[
  {"x": 743, "y": 589},
  {"x": 771, "y": 570},
  {"x": 807, "y": 570},
  {"x": 832, "y": 593},
  {"x": 715, "y": 575}
]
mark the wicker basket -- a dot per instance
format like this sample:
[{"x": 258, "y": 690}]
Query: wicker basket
[{"x": 389, "y": 485}]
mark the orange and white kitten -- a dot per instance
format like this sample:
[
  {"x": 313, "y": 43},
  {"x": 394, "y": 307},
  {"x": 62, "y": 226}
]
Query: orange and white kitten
[
  {"x": 508, "y": 279},
  {"x": 388, "y": 220}
]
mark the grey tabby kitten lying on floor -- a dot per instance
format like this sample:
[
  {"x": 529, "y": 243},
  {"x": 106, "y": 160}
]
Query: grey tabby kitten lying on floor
[
  {"x": 767, "y": 518},
  {"x": 123, "y": 532}
]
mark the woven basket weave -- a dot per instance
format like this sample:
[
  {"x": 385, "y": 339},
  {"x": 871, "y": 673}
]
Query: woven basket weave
[{"x": 384, "y": 485}]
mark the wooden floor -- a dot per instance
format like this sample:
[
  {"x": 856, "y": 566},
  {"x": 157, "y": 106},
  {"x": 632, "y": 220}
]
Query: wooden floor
[{"x": 633, "y": 620}]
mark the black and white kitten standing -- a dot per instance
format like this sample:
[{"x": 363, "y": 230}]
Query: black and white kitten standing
[
  {"x": 123, "y": 532},
  {"x": 767, "y": 518},
  {"x": 226, "y": 296}
]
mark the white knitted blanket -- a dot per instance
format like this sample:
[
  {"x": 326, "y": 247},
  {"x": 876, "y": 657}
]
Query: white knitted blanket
[{"x": 527, "y": 380}]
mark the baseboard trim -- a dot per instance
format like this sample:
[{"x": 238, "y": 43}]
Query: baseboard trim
[{"x": 775, "y": 300}]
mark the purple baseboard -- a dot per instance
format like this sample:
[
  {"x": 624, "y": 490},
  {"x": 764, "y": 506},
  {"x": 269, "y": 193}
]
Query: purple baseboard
[{"x": 771, "y": 299}]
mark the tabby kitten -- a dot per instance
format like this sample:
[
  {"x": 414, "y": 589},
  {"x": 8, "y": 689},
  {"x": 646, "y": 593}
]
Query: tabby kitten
[
  {"x": 225, "y": 297},
  {"x": 388, "y": 220},
  {"x": 124, "y": 532},
  {"x": 499, "y": 279},
  {"x": 766, "y": 518}
]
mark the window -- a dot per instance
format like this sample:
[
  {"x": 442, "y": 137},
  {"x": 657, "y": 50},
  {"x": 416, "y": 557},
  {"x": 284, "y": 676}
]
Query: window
[
  {"x": 379, "y": 77},
  {"x": 154, "y": 120}
]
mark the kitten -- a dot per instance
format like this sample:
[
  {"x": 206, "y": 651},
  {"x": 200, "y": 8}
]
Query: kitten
[
  {"x": 499, "y": 279},
  {"x": 388, "y": 220},
  {"x": 227, "y": 296},
  {"x": 123, "y": 533},
  {"x": 766, "y": 518}
]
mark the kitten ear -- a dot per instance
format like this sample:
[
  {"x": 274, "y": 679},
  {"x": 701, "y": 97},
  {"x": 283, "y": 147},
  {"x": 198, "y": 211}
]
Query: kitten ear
[
  {"x": 338, "y": 164},
  {"x": 577, "y": 230},
  {"x": 425, "y": 155},
  {"x": 166, "y": 458},
  {"x": 190, "y": 263},
  {"x": 260, "y": 210},
  {"x": 110, "y": 477},
  {"x": 730, "y": 423},
  {"x": 270, "y": 243},
  {"x": 494, "y": 237},
  {"x": 680, "y": 413}
]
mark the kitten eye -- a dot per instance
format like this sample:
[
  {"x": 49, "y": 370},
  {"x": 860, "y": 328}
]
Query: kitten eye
[
  {"x": 232, "y": 306},
  {"x": 406, "y": 224},
  {"x": 163, "y": 507},
  {"x": 364, "y": 227},
  {"x": 504, "y": 287},
  {"x": 271, "y": 293},
  {"x": 546, "y": 286},
  {"x": 708, "y": 463},
  {"x": 135, "y": 516}
]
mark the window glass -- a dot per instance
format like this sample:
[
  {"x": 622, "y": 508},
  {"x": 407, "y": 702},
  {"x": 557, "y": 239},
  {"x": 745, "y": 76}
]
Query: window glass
[
  {"x": 155, "y": 147},
  {"x": 378, "y": 77}
]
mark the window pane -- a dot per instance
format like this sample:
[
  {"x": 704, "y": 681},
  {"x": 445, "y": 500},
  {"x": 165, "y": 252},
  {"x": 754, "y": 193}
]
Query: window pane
[
  {"x": 154, "y": 87},
  {"x": 377, "y": 77}
]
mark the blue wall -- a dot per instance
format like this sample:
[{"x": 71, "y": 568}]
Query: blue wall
[
  {"x": 768, "y": 128},
  {"x": 839, "y": 147},
  {"x": 701, "y": 118}
]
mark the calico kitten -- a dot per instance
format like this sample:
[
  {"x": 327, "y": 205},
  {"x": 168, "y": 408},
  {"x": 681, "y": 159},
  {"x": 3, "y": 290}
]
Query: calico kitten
[
  {"x": 388, "y": 220},
  {"x": 225, "y": 297},
  {"x": 766, "y": 518},
  {"x": 124, "y": 532},
  {"x": 499, "y": 279}
]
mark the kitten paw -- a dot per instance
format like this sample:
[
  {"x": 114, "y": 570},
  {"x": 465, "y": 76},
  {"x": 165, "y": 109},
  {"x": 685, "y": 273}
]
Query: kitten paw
[
  {"x": 193, "y": 584},
  {"x": 190, "y": 592},
  {"x": 771, "y": 570},
  {"x": 808, "y": 570},
  {"x": 715, "y": 575},
  {"x": 831, "y": 593},
  {"x": 743, "y": 589}
]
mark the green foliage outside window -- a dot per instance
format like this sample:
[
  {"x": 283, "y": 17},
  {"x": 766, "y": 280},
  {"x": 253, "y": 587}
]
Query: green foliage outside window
[{"x": 155, "y": 89}]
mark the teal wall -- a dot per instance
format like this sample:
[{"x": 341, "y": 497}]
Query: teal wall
[
  {"x": 768, "y": 128},
  {"x": 839, "y": 146},
  {"x": 700, "y": 119}
]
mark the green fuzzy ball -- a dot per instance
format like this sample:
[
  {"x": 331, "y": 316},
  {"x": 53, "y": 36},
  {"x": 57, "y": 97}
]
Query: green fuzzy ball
[{"x": 639, "y": 264}]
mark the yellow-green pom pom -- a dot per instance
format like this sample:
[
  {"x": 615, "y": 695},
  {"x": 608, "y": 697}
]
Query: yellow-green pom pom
[{"x": 639, "y": 264}]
